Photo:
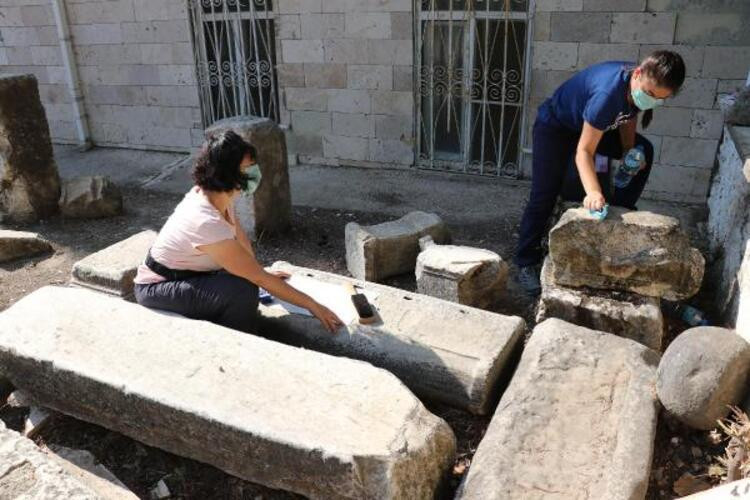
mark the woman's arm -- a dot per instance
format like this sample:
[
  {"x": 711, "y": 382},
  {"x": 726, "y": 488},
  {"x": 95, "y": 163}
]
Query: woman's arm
[
  {"x": 231, "y": 255},
  {"x": 585, "y": 152}
]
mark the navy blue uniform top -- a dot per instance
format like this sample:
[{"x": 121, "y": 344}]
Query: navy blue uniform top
[{"x": 597, "y": 95}]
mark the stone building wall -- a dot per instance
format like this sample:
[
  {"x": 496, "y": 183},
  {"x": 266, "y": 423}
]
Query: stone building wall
[
  {"x": 135, "y": 63},
  {"x": 712, "y": 37}
]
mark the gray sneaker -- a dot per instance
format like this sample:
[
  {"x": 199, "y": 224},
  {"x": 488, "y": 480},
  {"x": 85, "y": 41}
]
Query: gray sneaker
[{"x": 528, "y": 278}]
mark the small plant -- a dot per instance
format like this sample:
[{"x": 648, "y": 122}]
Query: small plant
[{"x": 735, "y": 463}]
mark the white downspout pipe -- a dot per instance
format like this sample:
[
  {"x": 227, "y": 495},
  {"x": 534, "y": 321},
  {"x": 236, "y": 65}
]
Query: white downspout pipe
[{"x": 71, "y": 70}]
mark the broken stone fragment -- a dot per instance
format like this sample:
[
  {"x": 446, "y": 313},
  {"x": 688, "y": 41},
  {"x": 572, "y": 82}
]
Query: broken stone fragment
[
  {"x": 631, "y": 251},
  {"x": 90, "y": 198},
  {"x": 29, "y": 182},
  {"x": 624, "y": 314},
  {"x": 21, "y": 244},
  {"x": 84, "y": 466},
  {"x": 377, "y": 252},
  {"x": 469, "y": 276},
  {"x": 579, "y": 416},
  {"x": 703, "y": 370}
]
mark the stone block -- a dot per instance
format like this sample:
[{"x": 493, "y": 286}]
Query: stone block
[
  {"x": 671, "y": 121},
  {"x": 542, "y": 26},
  {"x": 643, "y": 27},
  {"x": 389, "y": 52},
  {"x": 29, "y": 182},
  {"x": 392, "y": 151},
  {"x": 743, "y": 295},
  {"x": 28, "y": 472},
  {"x": 353, "y": 124},
  {"x": 21, "y": 244},
  {"x": 394, "y": 127},
  {"x": 349, "y": 101},
  {"x": 592, "y": 53},
  {"x": 346, "y": 50},
  {"x": 580, "y": 27},
  {"x": 112, "y": 269},
  {"x": 302, "y": 51},
  {"x": 169, "y": 31},
  {"x": 90, "y": 197},
  {"x": 627, "y": 315},
  {"x": 579, "y": 416},
  {"x": 325, "y": 76},
  {"x": 311, "y": 122},
  {"x": 726, "y": 62},
  {"x": 689, "y": 151},
  {"x": 299, "y": 6},
  {"x": 470, "y": 276},
  {"x": 322, "y": 26},
  {"x": 739, "y": 112},
  {"x": 402, "y": 26},
  {"x": 707, "y": 124},
  {"x": 290, "y": 75},
  {"x": 403, "y": 78},
  {"x": 416, "y": 339},
  {"x": 736, "y": 490},
  {"x": 375, "y": 25},
  {"x": 555, "y": 55},
  {"x": 695, "y": 93},
  {"x": 678, "y": 184},
  {"x": 288, "y": 27},
  {"x": 393, "y": 103},
  {"x": 345, "y": 148},
  {"x": 614, "y": 5},
  {"x": 377, "y": 252},
  {"x": 713, "y": 28},
  {"x": 370, "y": 76},
  {"x": 559, "y": 5},
  {"x": 270, "y": 208},
  {"x": 125, "y": 367},
  {"x": 83, "y": 465},
  {"x": 639, "y": 252},
  {"x": 692, "y": 56},
  {"x": 306, "y": 99},
  {"x": 703, "y": 371}
]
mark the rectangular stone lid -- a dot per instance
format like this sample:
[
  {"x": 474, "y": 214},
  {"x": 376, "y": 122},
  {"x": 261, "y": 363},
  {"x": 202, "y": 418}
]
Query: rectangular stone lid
[{"x": 287, "y": 394}]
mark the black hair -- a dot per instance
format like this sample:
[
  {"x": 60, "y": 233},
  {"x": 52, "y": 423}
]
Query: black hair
[
  {"x": 217, "y": 166},
  {"x": 666, "y": 69}
]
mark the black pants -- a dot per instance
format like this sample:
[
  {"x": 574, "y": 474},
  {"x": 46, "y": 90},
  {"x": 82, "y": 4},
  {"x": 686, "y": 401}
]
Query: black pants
[
  {"x": 221, "y": 298},
  {"x": 552, "y": 162}
]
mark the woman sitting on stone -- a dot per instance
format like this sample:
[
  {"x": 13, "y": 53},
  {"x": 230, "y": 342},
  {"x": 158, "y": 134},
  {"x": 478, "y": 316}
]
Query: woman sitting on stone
[{"x": 202, "y": 264}]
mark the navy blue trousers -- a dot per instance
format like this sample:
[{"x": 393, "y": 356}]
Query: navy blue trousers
[
  {"x": 554, "y": 173},
  {"x": 221, "y": 298}
]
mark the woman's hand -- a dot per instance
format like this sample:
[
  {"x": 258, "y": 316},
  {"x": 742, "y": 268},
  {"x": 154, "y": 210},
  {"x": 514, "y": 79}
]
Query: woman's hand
[
  {"x": 594, "y": 201},
  {"x": 330, "y": 321},
  {"x": 281, "y": 274}
]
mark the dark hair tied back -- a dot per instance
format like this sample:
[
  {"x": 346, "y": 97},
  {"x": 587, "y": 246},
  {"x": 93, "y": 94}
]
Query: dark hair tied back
[
  {"x": 217, "y": 166},
  {"x": 666, "y": 69}
]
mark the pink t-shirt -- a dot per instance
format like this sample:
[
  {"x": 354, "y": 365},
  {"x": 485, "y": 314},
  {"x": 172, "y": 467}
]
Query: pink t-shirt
[{"x": 193, "y": 223}]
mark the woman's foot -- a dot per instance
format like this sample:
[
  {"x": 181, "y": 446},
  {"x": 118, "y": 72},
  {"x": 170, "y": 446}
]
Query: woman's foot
[{"x": 528, "y": 278}]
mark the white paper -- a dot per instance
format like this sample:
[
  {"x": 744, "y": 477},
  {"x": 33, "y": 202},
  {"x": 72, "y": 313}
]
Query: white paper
[{"x": 334, "y": 297}]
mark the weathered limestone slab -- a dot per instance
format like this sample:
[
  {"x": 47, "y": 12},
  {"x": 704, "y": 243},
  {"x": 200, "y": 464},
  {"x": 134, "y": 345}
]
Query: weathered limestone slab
[
  {"x": 624, "y": 314},
  {"x": 469, "y": 276},
  {"x": 18, "y": 244},
  {"x": 83, "y": 465},
  {"x": 28, "y": 472},
  {"x": 270, "y": 209},
  {"x": 736, "y": 490},
  {"x": 29, "y": 182},
  {"x": 377, "y": 252},
  {"x": 90, "y": 197},
  {"x": 743, "y": 282},
  {"x": 441, "y": 350},
  {"x": 322, "y": 426},
  {"x": 577, "y": 421},
  {"x": 639, "y": 252},
  {"x": 112, "y": 269}
]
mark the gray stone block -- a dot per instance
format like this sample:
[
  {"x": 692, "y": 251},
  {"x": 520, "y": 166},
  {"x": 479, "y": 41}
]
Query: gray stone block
[
  {"x": 626, "y": 315},
  {"x": 322, "y": 26},
  {"x": 403, "y": 78},
  {"x": 346, "y": 50},
  {"x": 713, "y": 28},
  {"x": 302, "y": 51},
  {"x": 288, "y": 27},
  {"x": 345, "y": 148},
  {"x": 112, "y": 269},
  {"x": 393, "y": 103},
  {"x": 416, "y": 338},
  {"x": 614, "y": 5},
  {"x": 349, "y": 101},
  {"x": 306, "y": 99},
  {"x": 707, "y": 124},
  {"x": 370, "y": 76},
  {"x": 689, "y": 152},
  {"x": 392, "y": 151},
  {"x": 29, "y": 182},
  {"x": 402, "y": 26},
  {"x": 695, "y": 93},
  {"x": 726, "y": 62},
  {"x": 353, "y": 124},
  {"x": 90, "y": 197},
  {"x": 373, "y": 25},
  {"x": 83, "y": 465},
  {"x": 639, "y": 252},
  {"x": 469, "y": 276},
  {"x": 555, "y": 55},
  {"x": 702, "y": 372},
  {"x": 691, "y": 54},
  {"x": 671, "y": 121},
  {"x": 218, "y": 396},
  {"x": 377, "y": 252},
  {"x": 593, "y": 53},
  {"x": 28, "y": 472},
  {"x": 389, "y": 52},
  {"x": 580, "y": 27},
  {"x": 290, "y": 75},
  {"x": 559, "y": 5},
  {"x": 643, "y": 27},
  {"x": 579, "y": 416},
  {"x": 21, "y": 244},
  {"x": 325, "y": 76},
  {"x": 270, "y": 209},
  {"x": 394, "y": 127},
  {"x": 542, "y": 21},
  {"x": 311, "y": 122}
]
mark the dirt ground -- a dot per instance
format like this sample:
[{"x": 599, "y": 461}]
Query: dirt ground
[{"x": 316, "y": 241}]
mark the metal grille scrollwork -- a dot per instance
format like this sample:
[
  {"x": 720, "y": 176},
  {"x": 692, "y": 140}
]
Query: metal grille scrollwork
[
  {"x": 234, "y": 44},
  {"x": 471, "y": 85}
]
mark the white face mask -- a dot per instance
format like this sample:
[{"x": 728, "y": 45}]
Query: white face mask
[{"x": 253, "y": 177}]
